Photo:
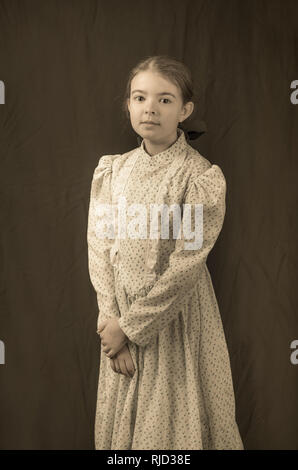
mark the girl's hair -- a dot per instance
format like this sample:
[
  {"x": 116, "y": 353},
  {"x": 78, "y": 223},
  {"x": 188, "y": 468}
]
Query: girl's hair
[{"x": 175, "y": 71}]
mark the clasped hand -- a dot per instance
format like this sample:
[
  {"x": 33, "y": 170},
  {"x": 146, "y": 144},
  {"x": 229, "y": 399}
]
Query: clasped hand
[{"x": 112, "y": 337}]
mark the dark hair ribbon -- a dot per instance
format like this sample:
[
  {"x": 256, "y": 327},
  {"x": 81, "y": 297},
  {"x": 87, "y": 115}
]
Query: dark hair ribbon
[{"x": 193, "y": 129}]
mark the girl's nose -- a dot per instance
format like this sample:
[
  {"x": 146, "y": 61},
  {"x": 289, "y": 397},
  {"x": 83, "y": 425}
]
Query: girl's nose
[{"x": 150, "y": 107}]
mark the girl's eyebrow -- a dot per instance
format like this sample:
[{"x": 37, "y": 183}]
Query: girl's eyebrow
[{"x": 144, "y": 92}]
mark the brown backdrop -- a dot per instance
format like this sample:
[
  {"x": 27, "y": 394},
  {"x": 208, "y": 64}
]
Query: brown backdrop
[{"x": 64, "y": 64}]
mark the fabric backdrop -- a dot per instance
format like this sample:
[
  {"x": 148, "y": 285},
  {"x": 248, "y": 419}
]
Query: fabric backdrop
[{"x": 64, "y": 65}]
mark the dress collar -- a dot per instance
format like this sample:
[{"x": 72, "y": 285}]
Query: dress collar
[{"x": 177, "y": 147}]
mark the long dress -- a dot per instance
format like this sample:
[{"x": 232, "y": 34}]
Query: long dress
[{"x": 181, "y": 395}]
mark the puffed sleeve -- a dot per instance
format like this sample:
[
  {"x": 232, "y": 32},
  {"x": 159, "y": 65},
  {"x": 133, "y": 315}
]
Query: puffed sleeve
[
  {"x": 148, "y": 315},
  {"x": 100, "y": 269}
]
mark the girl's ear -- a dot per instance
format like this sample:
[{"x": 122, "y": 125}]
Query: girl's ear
[
  {"x": 128, "y": 104},
  {"x": 187, "y": 110}
]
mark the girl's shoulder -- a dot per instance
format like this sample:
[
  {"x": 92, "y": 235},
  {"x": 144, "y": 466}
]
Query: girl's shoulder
[
  {"x": 116, "y": 161},
  {"x": 200, "y": 168},
  {"x": 196, "y": 162}
]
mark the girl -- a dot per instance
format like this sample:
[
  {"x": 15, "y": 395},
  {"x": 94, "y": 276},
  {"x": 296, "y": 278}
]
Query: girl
[{"x": 165, "y": 379}]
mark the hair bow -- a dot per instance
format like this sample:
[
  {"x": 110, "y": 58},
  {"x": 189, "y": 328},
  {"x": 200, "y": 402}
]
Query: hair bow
[{"x": 193, "y": 129}]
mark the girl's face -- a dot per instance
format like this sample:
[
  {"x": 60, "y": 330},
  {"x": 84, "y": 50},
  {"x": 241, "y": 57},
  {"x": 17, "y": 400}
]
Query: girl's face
[{"x": 156, "y": 99}]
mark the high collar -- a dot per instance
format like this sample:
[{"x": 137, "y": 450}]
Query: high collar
[{"x": 168, "y": 154}]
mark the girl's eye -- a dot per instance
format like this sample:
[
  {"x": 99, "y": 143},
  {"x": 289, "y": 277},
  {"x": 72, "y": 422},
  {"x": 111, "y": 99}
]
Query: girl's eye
[{"x": 136, "y": 98}]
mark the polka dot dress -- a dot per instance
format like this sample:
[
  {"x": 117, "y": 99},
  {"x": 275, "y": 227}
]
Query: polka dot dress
[{"x": 181, "y": 395}]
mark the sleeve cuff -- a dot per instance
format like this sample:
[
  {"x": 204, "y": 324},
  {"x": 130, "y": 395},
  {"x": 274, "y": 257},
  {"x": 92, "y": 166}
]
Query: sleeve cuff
[{"x": 131, "y": 335}]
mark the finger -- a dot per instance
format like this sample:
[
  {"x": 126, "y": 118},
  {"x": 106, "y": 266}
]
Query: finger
[
  {"x": 101, "y": 326},
  {"x": 123, "y": 367},
  {"x": 108, "y": 352},
  {"x": 130, "y": 366},
  {"x": 117, "y": 366},
  {"x": 106, "y": 348},
  {"x": 113, "y": 366}
]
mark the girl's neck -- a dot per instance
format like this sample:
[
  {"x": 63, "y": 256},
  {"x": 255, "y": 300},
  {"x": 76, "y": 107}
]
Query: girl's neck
[{"x": 153, "y": 148}]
